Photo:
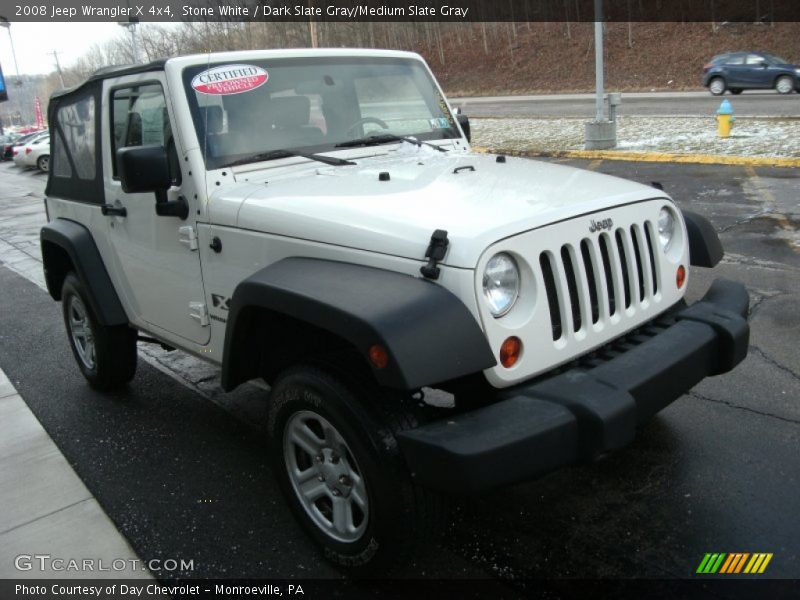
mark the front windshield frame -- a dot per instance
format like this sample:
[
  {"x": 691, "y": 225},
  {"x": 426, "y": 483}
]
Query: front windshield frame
[{"x": 435, "y": 102}]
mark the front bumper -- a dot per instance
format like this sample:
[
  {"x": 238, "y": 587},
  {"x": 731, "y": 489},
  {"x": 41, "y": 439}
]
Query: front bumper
[{"x": 587, "y": 410}]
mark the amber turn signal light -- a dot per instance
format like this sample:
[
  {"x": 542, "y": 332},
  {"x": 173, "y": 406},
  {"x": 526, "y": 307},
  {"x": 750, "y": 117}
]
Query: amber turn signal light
[
  {"x": 378, "y": 356},
  {"x": 509, "y": 351},
  {"x": 680, "y": 277}
]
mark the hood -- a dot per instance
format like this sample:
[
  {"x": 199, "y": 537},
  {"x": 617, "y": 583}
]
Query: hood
[{"x": 476, "y": 199}]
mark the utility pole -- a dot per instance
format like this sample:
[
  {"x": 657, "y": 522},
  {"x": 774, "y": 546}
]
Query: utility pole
[
  {"x": 131, "y": 27},
  {"x": 601, "y": 134},
  {"x": 598, "y": 60},
  {"x": 312, "y": 27},
  {"x": 4, "y": 23},
  {"x": 58, "y": 68}
]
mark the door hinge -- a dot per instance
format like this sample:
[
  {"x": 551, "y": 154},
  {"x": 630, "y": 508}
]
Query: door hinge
[
  {"x": 199, "y": 312},
  {"x": 188, "y": 236}
]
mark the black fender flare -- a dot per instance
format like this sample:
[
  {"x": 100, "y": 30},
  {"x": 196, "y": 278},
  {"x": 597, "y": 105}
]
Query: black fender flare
[
  {"x": 77, "y": 242},
  {"x": 429, "y": 334},
  {"x": 705, "y": 249}
]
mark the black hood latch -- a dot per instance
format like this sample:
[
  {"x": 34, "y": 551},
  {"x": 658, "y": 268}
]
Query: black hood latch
[{"x": 435, "y": 252}]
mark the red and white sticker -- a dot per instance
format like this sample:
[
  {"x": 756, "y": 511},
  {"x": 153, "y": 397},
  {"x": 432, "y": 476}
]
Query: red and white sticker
[{"x": 229, "y": 79}]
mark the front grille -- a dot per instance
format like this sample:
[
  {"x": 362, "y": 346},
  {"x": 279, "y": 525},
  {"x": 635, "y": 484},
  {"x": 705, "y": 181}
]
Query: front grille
[
  {"x": 616, "y": 347},
  {"x": 599, "y": 277}
]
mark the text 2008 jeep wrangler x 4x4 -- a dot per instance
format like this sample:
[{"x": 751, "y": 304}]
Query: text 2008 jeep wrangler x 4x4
[{"x": 317, "y": 219}]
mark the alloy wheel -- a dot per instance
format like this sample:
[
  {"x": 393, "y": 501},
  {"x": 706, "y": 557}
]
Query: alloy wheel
[
  {"x": 325, "y": 476},
  {"x": 80, "y": 330}
]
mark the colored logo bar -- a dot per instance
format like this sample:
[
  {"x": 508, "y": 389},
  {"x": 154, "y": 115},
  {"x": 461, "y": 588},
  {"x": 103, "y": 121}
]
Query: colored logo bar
[{"x": 734, "y": 563}]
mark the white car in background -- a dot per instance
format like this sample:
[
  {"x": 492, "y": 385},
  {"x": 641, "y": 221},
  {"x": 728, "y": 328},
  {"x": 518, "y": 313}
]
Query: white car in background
[{"x": 35, "y": 153}]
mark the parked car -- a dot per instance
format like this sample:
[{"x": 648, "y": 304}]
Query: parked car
[
  {"x": 738, "y": 71},
  {"x": 317, "y": 219},
  {"x": 17, "y": 144},
  {"x": 39, "y": 156},
  {"x": 7, "y": 144},
  {"x": 35, "y": 153}
]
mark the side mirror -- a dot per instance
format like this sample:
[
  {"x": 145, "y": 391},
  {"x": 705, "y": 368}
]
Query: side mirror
[
  {"x": 463, "y": 120},
  {"x": 143, "y": 169},
  {"x": 146, "y": 169},
  {"x": 764, "y": 64}
]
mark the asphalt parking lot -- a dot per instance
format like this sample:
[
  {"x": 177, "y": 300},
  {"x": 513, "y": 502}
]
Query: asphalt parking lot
[{"x": 184, "y": 473}]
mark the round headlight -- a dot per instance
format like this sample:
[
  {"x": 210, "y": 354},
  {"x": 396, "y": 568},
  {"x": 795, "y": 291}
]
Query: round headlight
[
  {"x": 501, "y": 284},
  {"x": 666, "y": 228}
]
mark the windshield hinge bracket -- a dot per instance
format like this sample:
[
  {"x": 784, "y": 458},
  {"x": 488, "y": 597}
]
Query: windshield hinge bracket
[
  {"x": 199, "y": 312},
  {"x": 188, "y": 237},
  {"x": 437, "y": 248}
]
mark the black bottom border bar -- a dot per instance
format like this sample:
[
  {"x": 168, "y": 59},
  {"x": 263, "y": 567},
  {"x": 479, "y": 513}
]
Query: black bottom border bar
[{"x": 717, "y": 587}]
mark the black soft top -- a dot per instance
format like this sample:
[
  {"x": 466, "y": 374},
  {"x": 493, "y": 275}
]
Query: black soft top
[{"x": 112, "y": 71}]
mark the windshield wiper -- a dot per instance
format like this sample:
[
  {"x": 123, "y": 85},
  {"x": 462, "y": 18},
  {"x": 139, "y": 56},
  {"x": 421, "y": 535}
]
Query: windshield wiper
[
  {"x": 386, "y": 138},
  {"x": 275, "y": 154}
]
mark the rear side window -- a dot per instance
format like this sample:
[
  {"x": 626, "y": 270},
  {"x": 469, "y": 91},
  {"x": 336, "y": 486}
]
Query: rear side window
[
  {"x": 735, "y": 59},
  {"x": 76, "y": 123}
]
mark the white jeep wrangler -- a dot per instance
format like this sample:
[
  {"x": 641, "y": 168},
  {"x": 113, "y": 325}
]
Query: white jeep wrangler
[{"x": 318, "y": 220}]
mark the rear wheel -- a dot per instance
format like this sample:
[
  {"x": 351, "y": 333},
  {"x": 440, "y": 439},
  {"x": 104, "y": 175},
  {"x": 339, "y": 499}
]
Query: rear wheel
[
  {"x": 339, "y": 466},
  {"x": 784, "y": 85},
  {"x": 43, "y": 162},
  {"x": 717, "y": 86},
  {"x": 105, "y": 355}
]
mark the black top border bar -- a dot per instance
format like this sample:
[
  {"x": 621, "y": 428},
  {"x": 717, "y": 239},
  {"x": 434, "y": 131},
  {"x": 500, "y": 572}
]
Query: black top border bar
[{"x": 461, "y": 11}]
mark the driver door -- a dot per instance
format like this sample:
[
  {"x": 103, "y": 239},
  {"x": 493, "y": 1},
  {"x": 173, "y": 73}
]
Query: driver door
[{"x": 157, "y": 256}]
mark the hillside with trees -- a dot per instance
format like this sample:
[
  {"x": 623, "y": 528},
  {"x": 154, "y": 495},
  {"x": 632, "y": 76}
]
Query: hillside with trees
[{"x": 473, "y": 58}]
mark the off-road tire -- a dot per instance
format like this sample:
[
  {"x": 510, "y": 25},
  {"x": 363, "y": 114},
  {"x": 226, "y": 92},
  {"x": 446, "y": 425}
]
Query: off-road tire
[
  {"x": 400, "y": 512},
  {"x": 114, "y": 348}
]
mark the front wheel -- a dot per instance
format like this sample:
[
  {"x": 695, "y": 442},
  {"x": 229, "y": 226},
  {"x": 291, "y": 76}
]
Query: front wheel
[
  {"x": 784, "y": 85},
  {"x": 105, "y": 355},
  {"x": 337, "y": 462},
  {"x": 43, "y": 163},
  {"x": 717, "y": 86}
]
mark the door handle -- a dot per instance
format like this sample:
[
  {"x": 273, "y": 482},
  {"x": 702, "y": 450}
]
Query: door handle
[{"x": 113, "y": 210}]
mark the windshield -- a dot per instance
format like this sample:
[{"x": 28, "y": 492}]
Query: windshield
[{"x": 259, "y": 106}]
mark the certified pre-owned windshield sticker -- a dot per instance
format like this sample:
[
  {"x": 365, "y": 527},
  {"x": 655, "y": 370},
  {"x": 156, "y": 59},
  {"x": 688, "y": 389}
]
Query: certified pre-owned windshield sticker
[{"x": 229, "y": 79}]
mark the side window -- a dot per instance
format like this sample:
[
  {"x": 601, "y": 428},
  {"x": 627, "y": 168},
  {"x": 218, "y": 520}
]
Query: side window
[
  {"x": 735, "y": 59},
  {"x": 755, "y": 59},
  {"x": 139, "y": 117},
  {"x": 76, "y": 121}
]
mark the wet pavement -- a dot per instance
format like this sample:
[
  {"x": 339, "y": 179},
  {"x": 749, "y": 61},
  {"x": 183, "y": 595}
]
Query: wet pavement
[{"x": 181, "y": 469}]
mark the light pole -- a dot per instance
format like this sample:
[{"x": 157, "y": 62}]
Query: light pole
[
  {"x": 600, "y": 134},
  {"x": 131, "y": 27},
  {"x": 58, "y": 68},
  {"x": 4, "y": 23},
  {"x": 598, "y": 60}
]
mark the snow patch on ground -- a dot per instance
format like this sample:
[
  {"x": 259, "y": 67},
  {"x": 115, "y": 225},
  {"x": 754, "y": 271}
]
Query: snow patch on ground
[{"x": 750, "y": 137}]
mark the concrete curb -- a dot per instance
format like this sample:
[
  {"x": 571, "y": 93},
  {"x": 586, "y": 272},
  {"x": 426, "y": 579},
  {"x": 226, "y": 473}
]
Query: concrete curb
[
  {"x": 665, "y": 157},
  {"x": 48, "y": 511}
]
